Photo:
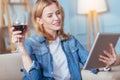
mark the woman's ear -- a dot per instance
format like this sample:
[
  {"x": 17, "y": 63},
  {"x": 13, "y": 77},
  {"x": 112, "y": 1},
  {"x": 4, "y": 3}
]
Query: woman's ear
[{"x": 39, "y": 20}]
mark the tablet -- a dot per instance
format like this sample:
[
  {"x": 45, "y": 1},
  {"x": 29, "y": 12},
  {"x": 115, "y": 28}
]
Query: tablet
[{"x": 101, "y": 43}]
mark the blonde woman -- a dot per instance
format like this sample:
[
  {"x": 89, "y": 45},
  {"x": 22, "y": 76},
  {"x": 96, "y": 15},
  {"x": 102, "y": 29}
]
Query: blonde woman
[{"x": 50, "y": 54}]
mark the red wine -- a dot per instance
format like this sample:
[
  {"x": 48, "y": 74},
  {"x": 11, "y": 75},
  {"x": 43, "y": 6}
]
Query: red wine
[{"x": 20, "y": 28}]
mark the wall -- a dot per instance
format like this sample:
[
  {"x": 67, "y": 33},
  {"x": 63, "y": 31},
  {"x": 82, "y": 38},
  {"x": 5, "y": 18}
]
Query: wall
[{"x": 76, "y": 24}]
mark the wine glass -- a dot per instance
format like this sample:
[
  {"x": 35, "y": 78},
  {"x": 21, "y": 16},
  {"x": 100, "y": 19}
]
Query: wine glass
[{"x": 19, "y": 22}]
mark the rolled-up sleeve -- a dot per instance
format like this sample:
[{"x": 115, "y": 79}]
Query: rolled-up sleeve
[{"x": 34, "y": 73}]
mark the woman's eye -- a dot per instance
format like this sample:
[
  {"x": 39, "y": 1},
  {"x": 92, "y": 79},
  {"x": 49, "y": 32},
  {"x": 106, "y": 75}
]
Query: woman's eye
[
  {"x": 49, "y": 16},
  {"x": 58, "y": 12}
]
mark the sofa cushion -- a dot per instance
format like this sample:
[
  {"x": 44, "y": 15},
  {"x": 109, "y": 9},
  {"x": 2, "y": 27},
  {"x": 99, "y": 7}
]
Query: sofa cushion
[{"x": 112, "y": 75}]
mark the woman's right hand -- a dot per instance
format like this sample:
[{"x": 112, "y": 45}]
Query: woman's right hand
[{"x": 17, "y": 35}]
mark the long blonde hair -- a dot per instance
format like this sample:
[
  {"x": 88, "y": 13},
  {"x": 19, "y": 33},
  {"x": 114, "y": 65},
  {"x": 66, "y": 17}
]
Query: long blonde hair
[{"x": 37, "y": 12}]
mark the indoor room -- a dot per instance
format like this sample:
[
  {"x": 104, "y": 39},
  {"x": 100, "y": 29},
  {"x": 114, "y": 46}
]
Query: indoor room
[{"x": 94, "y": 24}]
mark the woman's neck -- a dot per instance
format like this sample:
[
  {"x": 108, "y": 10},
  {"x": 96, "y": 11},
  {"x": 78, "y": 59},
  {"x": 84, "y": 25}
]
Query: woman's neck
[{"x": 53, "y": 34}]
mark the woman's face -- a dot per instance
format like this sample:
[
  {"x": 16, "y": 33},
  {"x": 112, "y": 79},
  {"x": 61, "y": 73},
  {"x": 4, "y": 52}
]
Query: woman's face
[{"x": 51, "y": 18}]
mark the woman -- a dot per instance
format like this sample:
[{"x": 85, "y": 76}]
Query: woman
[{"x": 51, "y": 54}]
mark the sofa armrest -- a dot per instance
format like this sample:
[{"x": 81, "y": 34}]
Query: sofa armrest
[{"x": 10, "y": 65}]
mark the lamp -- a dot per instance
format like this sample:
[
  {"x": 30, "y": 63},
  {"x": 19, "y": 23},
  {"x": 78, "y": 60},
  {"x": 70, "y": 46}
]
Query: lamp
[{"x": 91, "y": 8}]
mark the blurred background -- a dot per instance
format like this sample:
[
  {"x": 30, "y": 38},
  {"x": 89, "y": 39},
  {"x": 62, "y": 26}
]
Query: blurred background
[{"x": 77, "y": 22}]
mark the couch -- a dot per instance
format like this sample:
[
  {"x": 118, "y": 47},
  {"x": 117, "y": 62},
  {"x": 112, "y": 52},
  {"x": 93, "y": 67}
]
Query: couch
[
  {"x": 10, "y": 65},
  {"x": 102, "y": 75}
]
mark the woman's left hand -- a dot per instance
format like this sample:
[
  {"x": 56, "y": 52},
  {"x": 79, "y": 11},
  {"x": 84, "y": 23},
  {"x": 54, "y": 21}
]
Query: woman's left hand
[{"x": 109, "y": 57}]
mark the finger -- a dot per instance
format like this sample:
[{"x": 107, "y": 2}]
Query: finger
[
  {"x": 16, "y": 37},
  {"x": 113, "y": 50},
  {"x": 111, "y": 47},
  {"x": 12, "y": 29},
  {"x": 104, "y": 58},
  {"x": 106, "y": 62},
  {"x": 107, "y": 54},
  {"x": 14, "y": 40},
  {"x": 16, "y": 32}
]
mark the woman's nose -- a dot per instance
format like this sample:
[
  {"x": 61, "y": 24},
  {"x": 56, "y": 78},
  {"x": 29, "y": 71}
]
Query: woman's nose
[{"x": 56, "y": 17}]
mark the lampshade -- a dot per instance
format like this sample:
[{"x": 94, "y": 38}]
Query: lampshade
[{"x": 84, "y": 6}]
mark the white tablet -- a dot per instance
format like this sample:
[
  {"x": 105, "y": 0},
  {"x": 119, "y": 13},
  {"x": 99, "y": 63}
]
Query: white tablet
[{"x": 101, "y": 43}]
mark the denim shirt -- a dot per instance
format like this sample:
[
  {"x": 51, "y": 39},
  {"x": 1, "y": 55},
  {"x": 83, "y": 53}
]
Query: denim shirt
[{"x": 42, "y": 68}]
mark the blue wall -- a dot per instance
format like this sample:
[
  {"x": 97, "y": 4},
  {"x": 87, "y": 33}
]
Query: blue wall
[{"x": 76, "y": 24}]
